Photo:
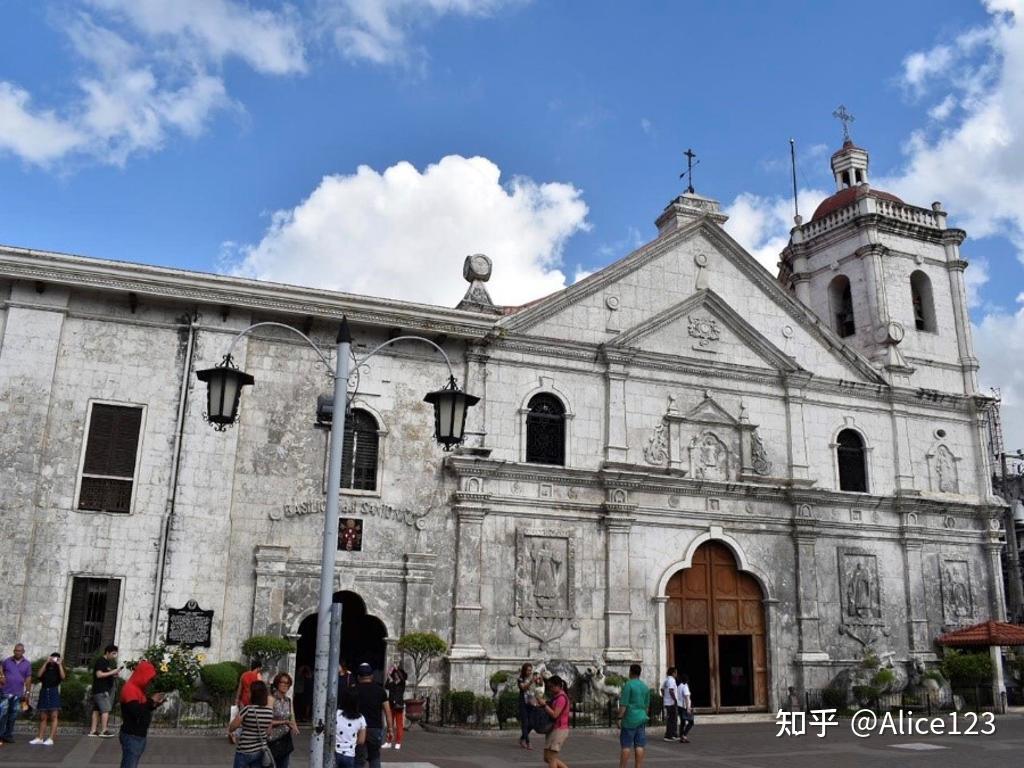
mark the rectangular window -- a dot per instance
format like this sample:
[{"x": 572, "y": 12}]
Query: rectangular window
[
  {"x": 92, "y": 619},
  {"x": 111, "y": 448}
]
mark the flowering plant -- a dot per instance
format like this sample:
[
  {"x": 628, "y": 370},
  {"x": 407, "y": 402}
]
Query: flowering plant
[{"x": 177, "y": 668}]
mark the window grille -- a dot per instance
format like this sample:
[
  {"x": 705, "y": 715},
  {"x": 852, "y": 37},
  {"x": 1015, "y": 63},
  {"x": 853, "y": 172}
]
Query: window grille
[
  {"x": 545, "y": 430},
  {"x": 852, "y": 462},
  {"x": 108, "y": 472},
  {"x": 92, "y": 619},
  {"x": 360, "y": 451}
]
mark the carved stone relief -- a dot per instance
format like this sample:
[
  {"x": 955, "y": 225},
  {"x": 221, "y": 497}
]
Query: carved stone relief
[
  {"x": 759, "y": 454},
  {"x": 942, "y": 469},
  {"x": 705, "y": 330},
  {"x": 710, "y": 457},
  {"x": 957, "y": 599},
  {"x": 656, "y": 452},
  {"x": 545, "y": 588},
  {"x": 860, "y": 597}
]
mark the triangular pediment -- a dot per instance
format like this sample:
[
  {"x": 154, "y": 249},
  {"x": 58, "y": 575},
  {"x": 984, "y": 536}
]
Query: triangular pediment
[
  {"x": 705, "y": 327},
  {"x": 708, "y": 411},
  {"x": 634, "y": 301}
]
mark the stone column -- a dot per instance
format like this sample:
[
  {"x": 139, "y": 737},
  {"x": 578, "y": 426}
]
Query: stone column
[
  {"x": 470, "y": 511},
  {"x": 919, "y": 642},
  {"x": 901, "y": 449},
  {"x": 419, "y": 582},
  {"x": 616, "y": 373},
  {"x": 271, "y": 585},
  {"x": 661, "y": 639},
  {"x": 476, "y": 384},
  {"x": 805, "y": 536},
  {"x": 798, "y": 465},
  {"x": 996, "y": 603},
  {"x": 617, "y": 522},
  {"x": 956, "y": 266}
]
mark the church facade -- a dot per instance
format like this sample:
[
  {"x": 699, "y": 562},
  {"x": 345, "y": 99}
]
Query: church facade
[{"x": 680, "y": 460}]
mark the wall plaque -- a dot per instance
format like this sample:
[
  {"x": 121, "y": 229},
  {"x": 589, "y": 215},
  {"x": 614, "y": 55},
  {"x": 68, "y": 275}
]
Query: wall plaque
[
  {"x": 190, "y": 625},
  {"x": 350, "y": 535}
]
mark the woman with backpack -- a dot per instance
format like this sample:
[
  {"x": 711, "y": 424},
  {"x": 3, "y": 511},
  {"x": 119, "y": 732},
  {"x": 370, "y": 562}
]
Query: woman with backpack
[{"x": 558, "y": 709}]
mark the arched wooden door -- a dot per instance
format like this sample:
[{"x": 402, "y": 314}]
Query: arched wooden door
[{"x": 715, "y": 632}]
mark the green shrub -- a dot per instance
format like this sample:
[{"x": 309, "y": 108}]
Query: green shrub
[
  {"x": 221, "y": 679},
  {"x": 834, "y": 698},
  {"x": 507, "y": 707},
  {"x": 499, "y": 677},
  {"x": 267, "y": 647},
  {"x": 460, "y": 705},
  {"x": 883, "y": 678},
  {"x": 484, "y": 708},
  {"x": 966, "y": 669},
  {"x": 613, "y": 679},
  {"x": 72, "y": 696},
  {"x": 177, "y": 668}
]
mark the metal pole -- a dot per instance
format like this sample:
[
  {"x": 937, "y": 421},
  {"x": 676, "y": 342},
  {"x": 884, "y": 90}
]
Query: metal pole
[
  {"x": 332, "y": 684},
  {"x": 330, "y": 551}
]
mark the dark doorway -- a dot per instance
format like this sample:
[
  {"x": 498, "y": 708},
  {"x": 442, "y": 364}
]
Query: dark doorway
[
  {"x": 735, "y": 667},
  {"x": 692, "y": 659},
  {"x": 363, "y": 639}
]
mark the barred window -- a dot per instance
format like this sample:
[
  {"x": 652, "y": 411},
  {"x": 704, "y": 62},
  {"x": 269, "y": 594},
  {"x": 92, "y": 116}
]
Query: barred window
[
  {"x": 852, "y": 458},
  {"x": 92, "y": 619},
  {"x": 360, "y": 452},
  {"x": 841, "y": 302},
  {"x": 545, "y": 430},
  {"x": 922, "y": 301},
  {"x": 108, "y": 472}
]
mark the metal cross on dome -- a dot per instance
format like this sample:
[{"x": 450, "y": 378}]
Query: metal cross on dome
[
  {"x": 845, "y": 118},
  {"x": 689, "y": 154}
]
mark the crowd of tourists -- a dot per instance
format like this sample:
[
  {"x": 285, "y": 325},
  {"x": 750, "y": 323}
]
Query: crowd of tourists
[{"x": 545, "y": 708}]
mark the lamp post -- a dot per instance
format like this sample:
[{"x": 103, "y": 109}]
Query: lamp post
[{"x": 225, "y": 383}]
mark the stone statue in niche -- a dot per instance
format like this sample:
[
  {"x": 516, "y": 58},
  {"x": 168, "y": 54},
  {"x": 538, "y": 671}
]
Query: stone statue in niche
[
  {"x": 956, "y": 593},
  {"x": 858, "y": 593},
  {"x": 545, "y": 588},
  {"x": 759, "y": 455},
  {"x": 709, "y": 457},
  {"x": 547, "y": 570},
  {"x": 656, "y": 452},
  {"x": 945, "y": 471}
]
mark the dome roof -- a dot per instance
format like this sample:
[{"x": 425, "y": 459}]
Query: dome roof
[{"x": 848, "y": 196}]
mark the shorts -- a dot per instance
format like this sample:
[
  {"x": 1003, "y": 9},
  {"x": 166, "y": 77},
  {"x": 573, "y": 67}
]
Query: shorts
[
  {"x": 632, "y": 738},
  {"x": 555, "y": 739},
  {"x": 102, "y": 702}
]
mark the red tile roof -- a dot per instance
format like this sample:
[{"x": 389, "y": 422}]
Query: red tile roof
[
  {"x": 848, "y": 196},
  {"x": 987, "y": 633}
]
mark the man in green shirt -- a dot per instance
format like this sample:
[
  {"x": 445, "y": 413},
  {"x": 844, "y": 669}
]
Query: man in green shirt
[{"x": 633, "y": 703}]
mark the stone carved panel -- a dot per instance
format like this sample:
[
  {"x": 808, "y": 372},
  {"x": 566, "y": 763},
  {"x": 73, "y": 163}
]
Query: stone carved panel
[
  {"x": 944, "y": 476},
  {"x": 860, "y": 597},
  {"x": 545, "y": 583},
  {"x": 759, "y": 455},
  {"x": 710, "y": 457},
  {"x": 957, "y": 597},
  {"x": 705, "y": 330},
  {"x": 656, "y": 451}
]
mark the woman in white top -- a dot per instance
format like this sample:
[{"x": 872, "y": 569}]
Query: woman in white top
[{"x": 350, "y": 730}]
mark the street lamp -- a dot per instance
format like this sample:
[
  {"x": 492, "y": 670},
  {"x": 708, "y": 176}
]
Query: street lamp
[{"x": 224, "y": 388}]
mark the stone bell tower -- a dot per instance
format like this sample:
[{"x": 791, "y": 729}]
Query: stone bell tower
[{"x": 887, "y": 277}]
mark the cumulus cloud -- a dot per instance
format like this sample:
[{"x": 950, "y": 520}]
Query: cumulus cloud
[
  {"x": 403, "y": 233},
  {"x": 378, "y": 31},
  {"x": 999, "y": 343},
  {"x": 148, "y": 69},
  {"x": 761, "y": 224}
]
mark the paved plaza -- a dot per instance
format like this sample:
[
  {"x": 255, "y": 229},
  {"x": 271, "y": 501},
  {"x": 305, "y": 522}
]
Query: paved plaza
[{"x": 731, "y": 745}]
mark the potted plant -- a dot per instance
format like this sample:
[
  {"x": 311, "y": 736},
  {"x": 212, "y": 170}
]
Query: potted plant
[{"x": 422, "y": 648}]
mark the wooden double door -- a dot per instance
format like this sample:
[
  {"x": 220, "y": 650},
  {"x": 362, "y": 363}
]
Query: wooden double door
[{"x": 715, "y": 627}]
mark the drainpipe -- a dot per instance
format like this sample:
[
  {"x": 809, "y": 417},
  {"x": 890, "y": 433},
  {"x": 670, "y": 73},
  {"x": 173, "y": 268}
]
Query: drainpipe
[{"x": 172, "y": 483}]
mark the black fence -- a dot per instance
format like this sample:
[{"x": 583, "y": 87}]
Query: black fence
[{"x": 978, "y": 698}]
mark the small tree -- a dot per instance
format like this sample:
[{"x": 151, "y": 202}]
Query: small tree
[
  {"x": 422, "y": 648},
  {"x": 267, "y": 648}
]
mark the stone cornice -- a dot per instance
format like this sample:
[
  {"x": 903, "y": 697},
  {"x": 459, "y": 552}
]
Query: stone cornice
[{"x": 220, "y": 290}]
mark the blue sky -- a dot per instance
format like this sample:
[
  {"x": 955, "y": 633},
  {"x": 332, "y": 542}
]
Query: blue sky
[{"x": 228, "y": 136}]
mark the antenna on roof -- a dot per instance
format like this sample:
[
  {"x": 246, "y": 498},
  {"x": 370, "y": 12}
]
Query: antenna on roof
[{"x": 792, "y": 160}]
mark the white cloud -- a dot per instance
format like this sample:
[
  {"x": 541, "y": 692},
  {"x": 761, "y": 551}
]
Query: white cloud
[
  {"x": 404, "y": 233},
  {"x": 149, "y": 69},
  {"x": 762, "y": 224},
  {"x": 378, "y": 30},
  {"x": 999, "y": 343}
]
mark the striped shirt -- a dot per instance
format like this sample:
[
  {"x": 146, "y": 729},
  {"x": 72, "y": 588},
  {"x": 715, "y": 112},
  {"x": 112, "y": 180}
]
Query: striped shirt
[{"x": 253, "y": 733}]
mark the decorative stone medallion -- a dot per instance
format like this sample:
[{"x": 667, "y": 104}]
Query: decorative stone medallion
[{"x": 705, "y": 330}]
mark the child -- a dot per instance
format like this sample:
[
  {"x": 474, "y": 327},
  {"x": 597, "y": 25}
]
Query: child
[
  {"x": 51, "y": 674},
  {"x": 351, "y": 729}
]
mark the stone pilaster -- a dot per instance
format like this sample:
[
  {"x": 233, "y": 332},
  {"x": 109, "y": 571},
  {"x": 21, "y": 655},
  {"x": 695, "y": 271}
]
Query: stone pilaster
[
  {"x": 271, "y": 584},
  {"x": 799, "y": 470},
  {"x": 476, "y": 384},
  {"x": 616, "y": 373},
  {"x": 902, "y": 461},
  {"x": 470, "y": 510},
  {"x": 918, "y": 640},
  {"x": 617, "y": 523},
  {"x": 805, "y": 536},
  {"x": 996, "y": 601},
  {"x": 961, "y": 319},
  {"x": 419, "y": 581}
]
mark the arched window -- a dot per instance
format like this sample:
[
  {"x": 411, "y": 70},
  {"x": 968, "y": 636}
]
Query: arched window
[
  {"x": 921, "y": 298},
  {"x": 545, "y": 430},
  {"x": 359, "y": 453},
  {"x": 852, "y": 459},
  {"x": 840, "y": 300}
]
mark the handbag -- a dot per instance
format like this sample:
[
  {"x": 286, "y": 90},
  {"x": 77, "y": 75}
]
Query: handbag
[
  {"x": 282, "y": 746},
  {"x": 266, "y": 756},
  {"x": 541, "y": 721}
]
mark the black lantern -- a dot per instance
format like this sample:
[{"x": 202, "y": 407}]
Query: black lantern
[
  {"x": 450, "y": 406},
  {"x": 224, "y": 386}
]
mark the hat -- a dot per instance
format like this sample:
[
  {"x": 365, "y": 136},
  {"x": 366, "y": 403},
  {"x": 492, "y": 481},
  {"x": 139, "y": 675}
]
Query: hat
[{"x": 364, "y": 669}]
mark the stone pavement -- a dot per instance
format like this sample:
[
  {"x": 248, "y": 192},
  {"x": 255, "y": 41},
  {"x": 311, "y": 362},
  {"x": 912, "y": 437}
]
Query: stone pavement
[{"x": 727, "y": 745}]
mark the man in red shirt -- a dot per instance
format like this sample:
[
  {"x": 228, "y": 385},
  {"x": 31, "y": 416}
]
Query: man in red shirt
[{"x": 245, "y": 683}]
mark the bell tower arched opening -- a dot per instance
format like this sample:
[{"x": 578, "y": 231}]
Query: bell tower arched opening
[{"x": 715, "y": 631}]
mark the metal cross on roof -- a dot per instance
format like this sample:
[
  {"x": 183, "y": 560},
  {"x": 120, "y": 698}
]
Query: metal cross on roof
[
  {"x": 846, "y": 118},
  {"x": 688, "y": 173}
]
